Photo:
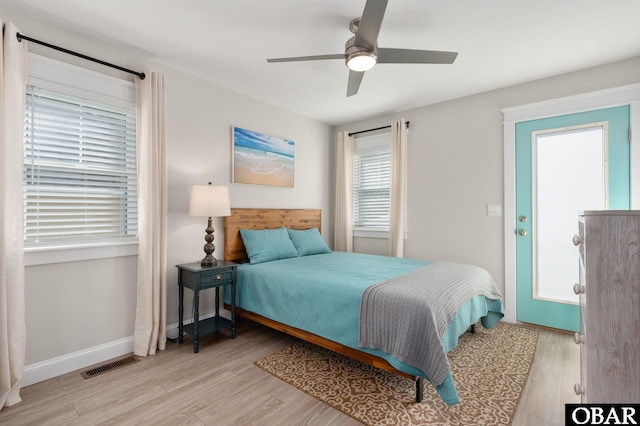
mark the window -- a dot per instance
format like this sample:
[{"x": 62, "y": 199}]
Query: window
[
  {"x": 371, "y": 183},
  {"x": 80, "y": 181}
]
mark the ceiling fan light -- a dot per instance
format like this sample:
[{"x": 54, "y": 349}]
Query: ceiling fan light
[{"x": 361, "y": 61}]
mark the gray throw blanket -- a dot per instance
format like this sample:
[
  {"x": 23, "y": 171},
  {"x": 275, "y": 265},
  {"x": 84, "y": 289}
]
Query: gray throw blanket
[{"x": 406, "y": 316}]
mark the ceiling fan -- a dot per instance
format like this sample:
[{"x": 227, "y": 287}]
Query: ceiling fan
[{"x": 362, "y": 51}]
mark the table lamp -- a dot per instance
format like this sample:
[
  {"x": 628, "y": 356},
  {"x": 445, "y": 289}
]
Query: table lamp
[{"x": 209, "y": 201}]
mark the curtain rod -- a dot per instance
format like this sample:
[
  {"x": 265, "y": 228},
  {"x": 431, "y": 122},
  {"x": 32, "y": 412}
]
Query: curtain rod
[
  {"x": 373, "y": 130},
  {"x": 79, "y": 55}
]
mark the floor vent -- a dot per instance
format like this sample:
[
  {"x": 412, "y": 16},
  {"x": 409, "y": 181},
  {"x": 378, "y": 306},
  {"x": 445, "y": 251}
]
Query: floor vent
[{"x": 110, "y": 366}]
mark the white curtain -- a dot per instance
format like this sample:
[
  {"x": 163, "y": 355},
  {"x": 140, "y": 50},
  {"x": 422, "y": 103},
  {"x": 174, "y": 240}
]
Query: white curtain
[
  {"x": 13, "y": 61},
  {"x": 398, "y": 193},
  {"x": 150, "y": 334},
  {"x": 343, "y": 233}
]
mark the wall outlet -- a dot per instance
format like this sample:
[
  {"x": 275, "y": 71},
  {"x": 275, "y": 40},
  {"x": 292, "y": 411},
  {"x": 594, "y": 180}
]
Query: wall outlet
[{"x": 494, "y": 209}]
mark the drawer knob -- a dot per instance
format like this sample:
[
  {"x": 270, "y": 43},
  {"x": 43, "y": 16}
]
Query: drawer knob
[
  {"x": 578, "y": 338},
  {"x": 578, "y": 288},
  {"x": 577, "y": 240},
  {"x": 579, "y": 389},
  {"x": 217, "y": 277}
]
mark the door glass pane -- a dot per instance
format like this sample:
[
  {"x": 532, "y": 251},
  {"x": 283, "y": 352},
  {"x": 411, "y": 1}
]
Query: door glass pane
[{"x": 569, "y": 177}]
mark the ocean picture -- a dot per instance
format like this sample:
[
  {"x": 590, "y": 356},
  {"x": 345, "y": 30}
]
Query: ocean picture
[{"x": 261, "y": 159}]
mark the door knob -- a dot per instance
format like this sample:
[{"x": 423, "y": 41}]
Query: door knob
[{"x": 522, "y": 232}]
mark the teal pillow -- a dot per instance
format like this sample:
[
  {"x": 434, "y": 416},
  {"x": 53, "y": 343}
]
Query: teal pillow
[
  {"x": 308, "y": 241},
  {"x": 267, "y": 244}
]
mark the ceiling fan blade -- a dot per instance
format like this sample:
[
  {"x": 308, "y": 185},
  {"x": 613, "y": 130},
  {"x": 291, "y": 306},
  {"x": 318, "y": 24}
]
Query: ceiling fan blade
[
  {"x": 355, "y": 78},
  {"x": 410, "y": 56},
  {"x": 370, "y": 23},
  {"x": 307, "y": 58}
]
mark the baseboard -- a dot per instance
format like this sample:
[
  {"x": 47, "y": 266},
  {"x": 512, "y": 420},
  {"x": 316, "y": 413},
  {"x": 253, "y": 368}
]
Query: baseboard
[{"x": 64, "y": 364}]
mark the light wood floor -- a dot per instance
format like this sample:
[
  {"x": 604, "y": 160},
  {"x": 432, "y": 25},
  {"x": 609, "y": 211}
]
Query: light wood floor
[{"x": 221, "y": 386}]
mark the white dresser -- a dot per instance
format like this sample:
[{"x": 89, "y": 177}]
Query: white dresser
[{"x": 609, "y": 243}]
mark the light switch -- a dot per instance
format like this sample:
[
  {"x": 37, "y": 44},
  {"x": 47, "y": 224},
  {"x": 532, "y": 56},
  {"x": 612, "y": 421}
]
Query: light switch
[{"x": 494, "y": 209}]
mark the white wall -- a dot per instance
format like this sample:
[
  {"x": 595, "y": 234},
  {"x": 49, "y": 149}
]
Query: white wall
[
  {"x": 455, "y": 166},
  {"x": 200, "y": 151},
  {"x": 79, "y": 313}
]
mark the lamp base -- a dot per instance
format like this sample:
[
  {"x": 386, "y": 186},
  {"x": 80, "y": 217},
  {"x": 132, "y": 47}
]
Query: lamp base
[{"x": 208, "y": 261}]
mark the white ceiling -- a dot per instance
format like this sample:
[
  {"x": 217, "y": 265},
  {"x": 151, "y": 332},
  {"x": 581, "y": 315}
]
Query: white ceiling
[{"x": 500, "y": 43}]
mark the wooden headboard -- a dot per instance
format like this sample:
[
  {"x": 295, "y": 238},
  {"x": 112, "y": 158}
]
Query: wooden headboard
[{"x": 263, "y": 219}]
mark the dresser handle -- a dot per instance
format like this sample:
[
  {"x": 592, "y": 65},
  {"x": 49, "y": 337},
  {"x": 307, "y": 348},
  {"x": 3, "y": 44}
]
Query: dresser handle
[
  {"x": 577, "y": 240},
  {"x": 579, "y": 389},
  {"x": 217, "y": 277},
  {"x": 578, "y": 288},
  {"x": 578, "y": 338}
]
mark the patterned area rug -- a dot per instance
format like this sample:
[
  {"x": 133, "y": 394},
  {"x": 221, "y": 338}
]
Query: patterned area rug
[{"x": 490, "y": 370}]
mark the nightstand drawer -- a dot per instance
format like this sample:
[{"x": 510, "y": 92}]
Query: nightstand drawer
[{"x": 215, "y": 278}]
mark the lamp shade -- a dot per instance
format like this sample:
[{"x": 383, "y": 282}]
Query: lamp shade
[{"x": 209, "y": 201}]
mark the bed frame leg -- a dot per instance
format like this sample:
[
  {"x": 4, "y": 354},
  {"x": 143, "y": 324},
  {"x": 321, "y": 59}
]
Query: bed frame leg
[
  {"x": 419, "y": 389},
  {"x": 472, "y": 329}
]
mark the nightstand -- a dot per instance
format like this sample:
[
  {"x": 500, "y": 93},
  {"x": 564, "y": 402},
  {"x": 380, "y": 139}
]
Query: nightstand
[{"x": 197, "y": 278}]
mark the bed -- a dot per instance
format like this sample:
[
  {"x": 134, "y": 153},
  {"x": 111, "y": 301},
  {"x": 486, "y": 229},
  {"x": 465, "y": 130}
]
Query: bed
[{"x": 336, "y": 300}]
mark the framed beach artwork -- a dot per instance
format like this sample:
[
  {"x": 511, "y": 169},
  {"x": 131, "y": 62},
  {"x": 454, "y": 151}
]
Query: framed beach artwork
[{"x": 261, "y": 159}]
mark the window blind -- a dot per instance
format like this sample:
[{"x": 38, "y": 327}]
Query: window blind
[
  {"x": 371, "y": 182},
  {"x": 79, "y": 169}
]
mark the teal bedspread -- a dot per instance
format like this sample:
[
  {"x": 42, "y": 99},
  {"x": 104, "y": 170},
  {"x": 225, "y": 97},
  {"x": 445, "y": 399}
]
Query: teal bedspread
[{"x": 321, "y": 294}]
